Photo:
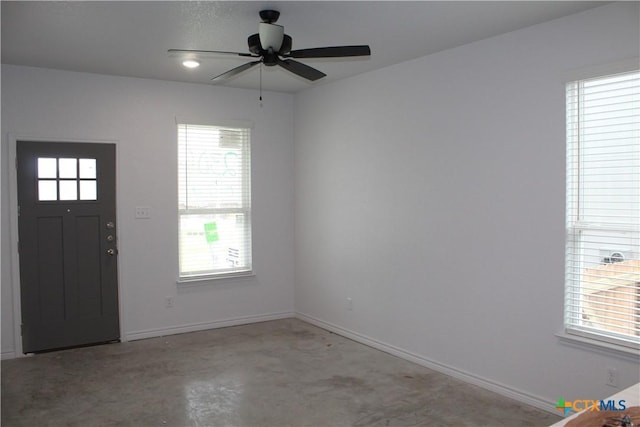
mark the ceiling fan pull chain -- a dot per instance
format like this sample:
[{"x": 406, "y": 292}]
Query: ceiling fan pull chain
[{"x": 261, "y": 85}]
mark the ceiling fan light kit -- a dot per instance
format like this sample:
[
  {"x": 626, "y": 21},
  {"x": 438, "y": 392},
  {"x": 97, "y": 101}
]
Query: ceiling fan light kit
[
  {"x": 191, "y": 63},
  {"x": 271, "y": 46},
  {"x": 271, "y": 36}
]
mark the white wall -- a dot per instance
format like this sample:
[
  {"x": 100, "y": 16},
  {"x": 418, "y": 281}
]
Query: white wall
[
  {"x": 140, "y": 115},
  {"x": 432, "y": 194}
]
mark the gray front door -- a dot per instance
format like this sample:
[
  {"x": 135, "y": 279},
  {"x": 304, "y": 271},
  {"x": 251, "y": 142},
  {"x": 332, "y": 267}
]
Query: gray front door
[{"x": 67, "y": 244}]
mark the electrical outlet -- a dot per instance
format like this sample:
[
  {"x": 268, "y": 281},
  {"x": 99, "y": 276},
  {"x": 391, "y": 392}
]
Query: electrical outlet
[
  {"x": 143, "y": 212},
  {"x": 168, "y": 302},
  {"x": 349, "y": 303},
  {"x": 612, "y": 377}
]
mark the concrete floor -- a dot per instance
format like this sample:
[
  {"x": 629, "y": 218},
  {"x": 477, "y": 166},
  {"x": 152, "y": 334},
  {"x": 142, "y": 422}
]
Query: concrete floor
[{"x": 280, "y": 373}]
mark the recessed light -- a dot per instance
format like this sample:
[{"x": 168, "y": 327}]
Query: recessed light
[{"x": 190, "y": 63}]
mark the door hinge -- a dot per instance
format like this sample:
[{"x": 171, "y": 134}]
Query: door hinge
[
  {"x": 18, "y": 210},
  {"x": 21, "y": 329}
]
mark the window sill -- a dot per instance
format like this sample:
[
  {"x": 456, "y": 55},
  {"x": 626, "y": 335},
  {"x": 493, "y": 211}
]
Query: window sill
[
  {"x": 598, "y": 346},
  {"x": 210, "y": 280}
]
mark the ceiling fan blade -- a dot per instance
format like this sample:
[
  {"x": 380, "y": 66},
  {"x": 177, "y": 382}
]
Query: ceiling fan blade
[
  {"x": 200, "y": 52},
  {"x": 331, "y": 52},
  {"x": 301, "y": 69},
  {"x": 232, "y": 72}
]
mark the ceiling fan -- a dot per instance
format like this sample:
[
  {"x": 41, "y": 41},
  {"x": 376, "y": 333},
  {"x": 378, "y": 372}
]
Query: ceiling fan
[{"x": 273, "y": 47}]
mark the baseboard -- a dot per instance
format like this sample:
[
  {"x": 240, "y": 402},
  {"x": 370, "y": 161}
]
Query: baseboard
[
  {"x": 7, "y": 355},
  {"x": 467, "y": 377},
  {"x": 193, "y": 327}
]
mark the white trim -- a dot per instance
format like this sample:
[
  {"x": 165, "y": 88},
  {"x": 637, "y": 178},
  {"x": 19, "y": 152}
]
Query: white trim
[
  {"x": 502, "y": 389},
  {"x": 622, "y": 66},
  {"x": 13, "y": 138},
  {"x": 202, "y": 326},
  {"x": 213, "y": 278},
  {"x": 7, "y": 355},
  {"x": 13, "y": 251},
  {"x": 206, "y": 121},
  {"x": 600, "y": 346}
]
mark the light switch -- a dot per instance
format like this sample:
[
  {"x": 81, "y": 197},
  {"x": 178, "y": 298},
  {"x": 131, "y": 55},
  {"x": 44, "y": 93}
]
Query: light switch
[{"x": 143, "y": 212}]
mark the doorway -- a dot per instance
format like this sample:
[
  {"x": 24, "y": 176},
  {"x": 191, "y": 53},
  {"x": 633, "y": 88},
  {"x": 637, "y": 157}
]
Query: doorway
[{"x": 67, "y": 244}]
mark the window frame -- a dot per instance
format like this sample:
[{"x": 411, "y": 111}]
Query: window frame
[
  {"x": 575, "y": 226},
  {"x": 195, "y": 278}
]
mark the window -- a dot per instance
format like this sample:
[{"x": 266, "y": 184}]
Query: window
[
  {"x": 602, "y": 277},
  {"x": 66, "y": 179},
  {"x": 214, "y": 201}
]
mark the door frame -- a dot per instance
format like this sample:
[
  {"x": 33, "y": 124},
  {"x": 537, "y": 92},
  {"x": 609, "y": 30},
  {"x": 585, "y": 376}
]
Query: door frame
[{"x": 13, "y": 231}]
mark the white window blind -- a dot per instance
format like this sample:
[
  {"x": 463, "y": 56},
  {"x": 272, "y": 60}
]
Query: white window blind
[
  {"x": 602, "y": 278},
  {"x": 214, "y": 201}
]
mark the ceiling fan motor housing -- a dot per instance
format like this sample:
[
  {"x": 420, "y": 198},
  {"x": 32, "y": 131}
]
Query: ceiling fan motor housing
[{"x": 269, "y": 16}]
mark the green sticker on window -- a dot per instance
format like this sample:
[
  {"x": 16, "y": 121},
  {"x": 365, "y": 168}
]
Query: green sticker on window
[{"x": 211, "y": 232}]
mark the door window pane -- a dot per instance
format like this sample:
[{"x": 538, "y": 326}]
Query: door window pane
[
  {"x": 58, "y": 179},
  {"x": 87, "y": 169},
  {"x": 68, "y": 190},
  {"x": 88, "y": 190},
  {"x": 47, "y": 190},
  {"x": 47, "y": 168},
  {"x": 68, "y": 169}
]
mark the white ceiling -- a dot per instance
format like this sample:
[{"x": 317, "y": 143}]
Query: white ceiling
[{"x": 131, "y": 38}]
